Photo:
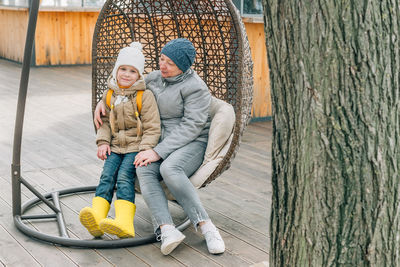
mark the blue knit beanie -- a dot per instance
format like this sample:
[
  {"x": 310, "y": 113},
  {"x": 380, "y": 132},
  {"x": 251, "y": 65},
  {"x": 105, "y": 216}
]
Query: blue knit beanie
[{"x": 181, "y": 51}]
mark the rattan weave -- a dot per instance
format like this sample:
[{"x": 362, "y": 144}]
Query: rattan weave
[{"x": 215, "y": 28}]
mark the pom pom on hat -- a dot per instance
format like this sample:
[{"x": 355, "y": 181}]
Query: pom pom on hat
[
  {"x": 136, "y": 45},
  {"x": 181, "y": 51},
  {"x": 132, "y": 56}
]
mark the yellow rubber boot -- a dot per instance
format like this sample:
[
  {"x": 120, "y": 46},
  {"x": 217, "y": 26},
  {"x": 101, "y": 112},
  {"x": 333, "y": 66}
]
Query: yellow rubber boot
[
  {"x": 90, "y": 217},
  {"x": 122, "y": 225}
]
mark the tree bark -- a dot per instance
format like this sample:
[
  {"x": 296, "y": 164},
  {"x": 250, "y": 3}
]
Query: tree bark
[{"x": 335, "y": 68}]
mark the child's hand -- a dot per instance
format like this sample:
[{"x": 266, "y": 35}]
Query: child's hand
[{"x": 103, "y": 151}]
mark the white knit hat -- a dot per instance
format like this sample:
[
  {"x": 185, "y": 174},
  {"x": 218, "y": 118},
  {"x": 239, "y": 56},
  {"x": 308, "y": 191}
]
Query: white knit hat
[{"x": 132, "y": 56}]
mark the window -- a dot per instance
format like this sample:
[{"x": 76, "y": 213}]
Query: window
[
  {"x": 55, "y": 3},
  {"x": 249, "y": 8}
]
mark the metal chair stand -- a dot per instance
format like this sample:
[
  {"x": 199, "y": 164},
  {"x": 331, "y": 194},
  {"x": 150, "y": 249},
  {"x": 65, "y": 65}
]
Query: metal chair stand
[
  {"x": 223, "y": 62},
  {"x": 52, "y": 199}
]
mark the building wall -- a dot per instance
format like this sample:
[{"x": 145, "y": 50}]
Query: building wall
[
  {"x": 65, "y": 38},
  {"x": 13, "y": 26},
  {"x": 262, "y": 95}
]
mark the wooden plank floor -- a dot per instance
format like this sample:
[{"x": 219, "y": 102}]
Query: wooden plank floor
[{"x": 58, "y": 151}]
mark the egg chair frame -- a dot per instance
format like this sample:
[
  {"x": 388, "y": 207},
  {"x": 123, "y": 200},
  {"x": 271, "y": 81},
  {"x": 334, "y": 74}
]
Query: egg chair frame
[{"x": 223, "y": 61}]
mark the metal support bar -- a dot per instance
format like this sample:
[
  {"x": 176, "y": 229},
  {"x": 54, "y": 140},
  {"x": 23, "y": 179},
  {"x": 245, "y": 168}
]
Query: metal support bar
[
  {"x": 60, "y": 217},
  {"x": 38, "y": 217},
  {"x": 39, "y": 195},
  {"x": 16, "y": 187},
  {"x": 19, "y": 120}
]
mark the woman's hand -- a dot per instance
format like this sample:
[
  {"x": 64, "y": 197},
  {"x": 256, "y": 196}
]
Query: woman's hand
[
  {"x": 100, "y": 110},
  {"x": 146, "y": 157},
  {"x": 103, "y": 151}
]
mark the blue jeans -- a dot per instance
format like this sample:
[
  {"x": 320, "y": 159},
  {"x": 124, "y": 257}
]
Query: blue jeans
[
  {"x": 118, "y": 170},
  {"x": 174, "y": 170}
]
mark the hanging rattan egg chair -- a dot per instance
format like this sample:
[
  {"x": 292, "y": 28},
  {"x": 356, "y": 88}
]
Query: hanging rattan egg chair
[
  {"x": 223, "y": 61},
  {"x": 215, "y": 28}
]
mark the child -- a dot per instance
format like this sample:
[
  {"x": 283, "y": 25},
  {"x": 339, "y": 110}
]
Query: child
[{"x": 119, "y": 139}]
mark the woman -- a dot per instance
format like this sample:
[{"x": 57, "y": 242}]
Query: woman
[{"x": 183, "y": 101}]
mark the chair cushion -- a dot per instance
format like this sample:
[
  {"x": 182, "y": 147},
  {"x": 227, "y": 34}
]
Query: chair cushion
[{"x": 219, "y": 139}]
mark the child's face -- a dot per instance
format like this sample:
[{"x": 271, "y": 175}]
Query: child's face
[{"x": 127, "y": 75}]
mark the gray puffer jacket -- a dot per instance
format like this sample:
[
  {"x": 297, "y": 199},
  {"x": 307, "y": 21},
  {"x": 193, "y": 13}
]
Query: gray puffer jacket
[{"x": 183, "y": 102}]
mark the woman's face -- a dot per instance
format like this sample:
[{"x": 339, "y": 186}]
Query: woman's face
[
  {"x": 127, "y": 75},
  {"x": 168, "y": 68}
]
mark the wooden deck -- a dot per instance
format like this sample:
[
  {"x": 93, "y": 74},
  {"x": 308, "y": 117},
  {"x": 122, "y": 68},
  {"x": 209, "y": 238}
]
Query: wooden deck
[{"x": 58, "y": 151}]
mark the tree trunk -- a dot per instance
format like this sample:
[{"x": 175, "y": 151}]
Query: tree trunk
[{"x": 335, "y": 68}]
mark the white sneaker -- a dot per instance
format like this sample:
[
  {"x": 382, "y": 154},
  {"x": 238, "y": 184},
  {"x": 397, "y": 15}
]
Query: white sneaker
[
  {"x": 170, "y": 239},
  {"x": 214, "y": 241}
]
